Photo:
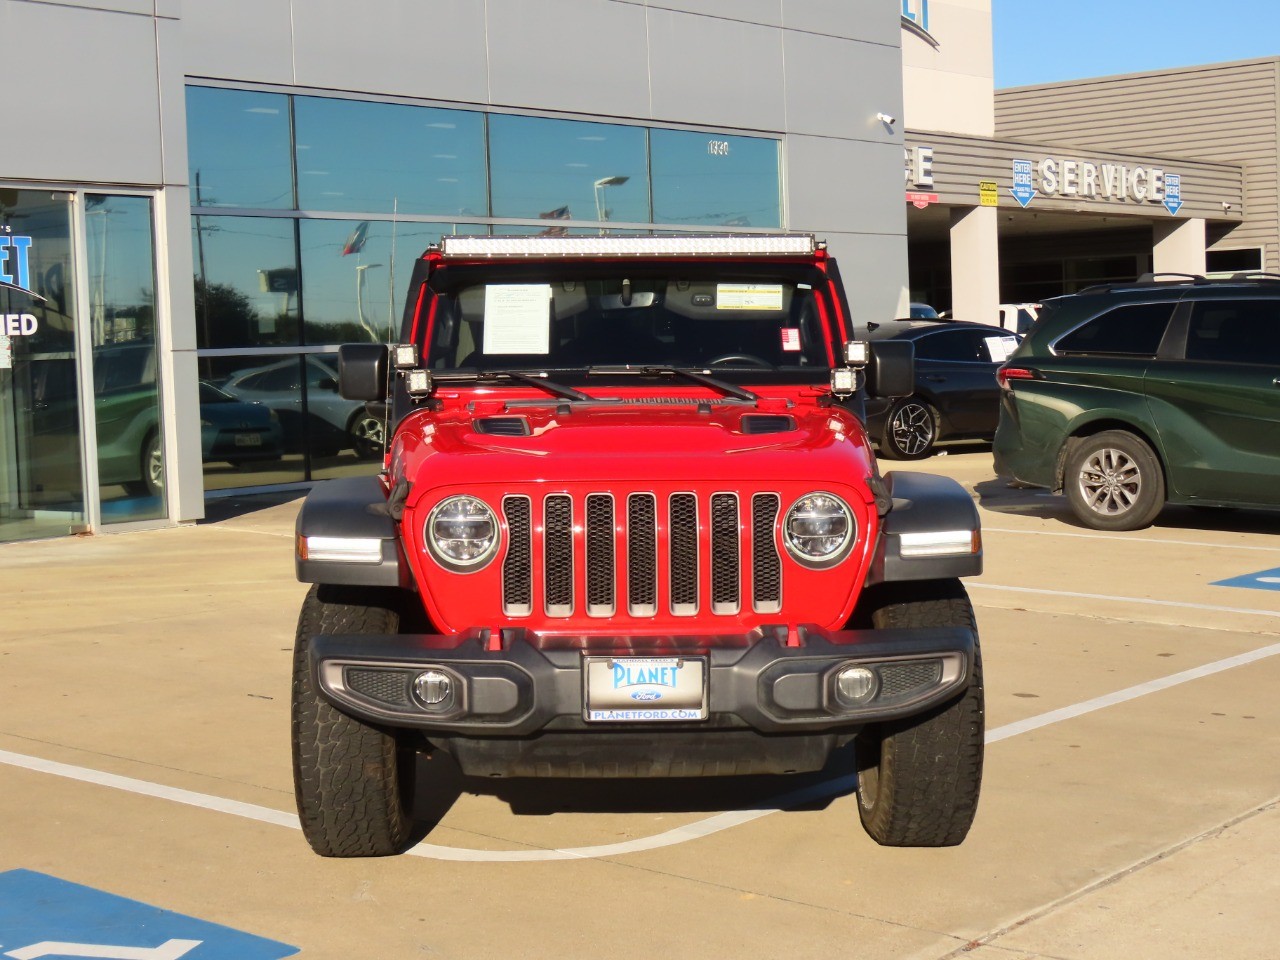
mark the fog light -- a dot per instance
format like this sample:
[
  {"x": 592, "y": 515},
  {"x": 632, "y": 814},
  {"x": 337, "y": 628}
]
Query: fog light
[
  {"x": 856, "y": 685},
  {"x": 432, "y": 687}
]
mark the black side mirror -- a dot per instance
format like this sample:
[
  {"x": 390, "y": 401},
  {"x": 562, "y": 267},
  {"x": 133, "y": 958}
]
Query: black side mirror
[
  {"x": 891, "y": 371},
  {"x": 362, "y": 371}
]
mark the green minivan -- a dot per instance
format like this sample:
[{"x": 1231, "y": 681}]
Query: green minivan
[{"x": 1129, "y": 396}]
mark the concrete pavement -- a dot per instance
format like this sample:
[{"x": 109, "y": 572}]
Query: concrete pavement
[{"x": 1129, "y": 805}]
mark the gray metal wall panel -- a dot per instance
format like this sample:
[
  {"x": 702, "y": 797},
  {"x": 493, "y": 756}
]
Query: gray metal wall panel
[
  {"x": 88, "y": 130},
  {"x": 569, "y": 55},
  {"x": 1223, "y": 112},
  {"x": 173, "y": 101},
  {"x": 872, "y": 20},
  {"x": 817, "y": 65},
  {"x": 837, "y": 185},
  {"x": 874, "y": 270},
  {"x": 144, "y": 7},
  {"x": 402, "y": 47},
  {"x": 767, "y": 12},
  {"x": 248, "y": 40},
  {"x": 704, "y": 68}
]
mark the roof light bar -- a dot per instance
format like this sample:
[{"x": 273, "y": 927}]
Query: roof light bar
[{"x": 678, "y": 246}]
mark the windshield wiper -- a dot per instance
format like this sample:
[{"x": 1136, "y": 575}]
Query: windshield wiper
[
  {"x": 533, "y": 379},
  {"x": 692, "y": 374}
]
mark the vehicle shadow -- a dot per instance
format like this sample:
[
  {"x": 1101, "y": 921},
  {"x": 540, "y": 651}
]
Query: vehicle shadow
[
  {"x": 1003, "y": 496},
  {"x": 440, "y": 783}
]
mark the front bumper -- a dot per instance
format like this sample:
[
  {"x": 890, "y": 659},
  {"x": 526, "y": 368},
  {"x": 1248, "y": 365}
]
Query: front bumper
[{"x": 772, "y": 680}]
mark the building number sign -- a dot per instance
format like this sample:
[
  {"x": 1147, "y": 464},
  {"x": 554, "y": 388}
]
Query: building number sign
[{"x": 718, "y": 148}]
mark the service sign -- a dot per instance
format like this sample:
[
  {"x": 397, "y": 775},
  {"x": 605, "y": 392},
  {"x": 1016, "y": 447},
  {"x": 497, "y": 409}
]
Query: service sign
[{"x": 1071, "y": 178}]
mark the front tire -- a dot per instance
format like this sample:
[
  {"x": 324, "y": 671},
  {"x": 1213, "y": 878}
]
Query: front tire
[
  {"x": 353, "y": 782},
  {"x": 919, "y": 777},
  {"x": 1113, "y": 481},
  {"x": 910, "y": 430}
]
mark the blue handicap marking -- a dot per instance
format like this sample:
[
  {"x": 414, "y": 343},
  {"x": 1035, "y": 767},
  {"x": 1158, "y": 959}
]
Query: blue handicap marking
[
  {"x": 42, "y": 916},
  {"x": 1265, "y": 580},
  {"x": 1172, "y": 192},
  {"x": 1023, "y": 190}
]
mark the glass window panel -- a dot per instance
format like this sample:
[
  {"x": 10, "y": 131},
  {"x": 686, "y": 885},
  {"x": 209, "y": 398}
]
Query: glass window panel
[
  {"x": 1135, "y": 330},
  {"x": 122, "y": 325},
  {"x": 246, "y": 282},
  {"x": 384, "y": 158},
  {"x": 238, "y": 149},
  {"x": 252, "y": 428},
  {"x": 712, "y": 180},
  {"x": 354, "y": 288},
  {"x": 567, "y": 169},
  {"x": 41, "y": 474}
]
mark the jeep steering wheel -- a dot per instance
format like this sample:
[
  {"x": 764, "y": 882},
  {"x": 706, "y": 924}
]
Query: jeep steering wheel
[{"x": 750, "y": 358}]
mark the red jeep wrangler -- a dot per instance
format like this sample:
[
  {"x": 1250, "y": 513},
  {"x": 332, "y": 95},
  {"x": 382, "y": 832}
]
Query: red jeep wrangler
[{"x": 630, "y": 525}]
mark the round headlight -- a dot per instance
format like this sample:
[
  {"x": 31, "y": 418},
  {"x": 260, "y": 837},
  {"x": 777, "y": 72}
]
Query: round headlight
[
  {"x": 462, "y": 533},
  {"x": 818, "y": 530}
]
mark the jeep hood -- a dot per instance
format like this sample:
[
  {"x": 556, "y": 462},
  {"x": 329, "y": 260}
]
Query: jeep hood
[{"x": 596, "y": 443}]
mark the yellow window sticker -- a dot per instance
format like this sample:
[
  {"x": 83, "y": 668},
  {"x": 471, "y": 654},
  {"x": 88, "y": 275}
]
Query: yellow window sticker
[{"x": 748, "y": 296}]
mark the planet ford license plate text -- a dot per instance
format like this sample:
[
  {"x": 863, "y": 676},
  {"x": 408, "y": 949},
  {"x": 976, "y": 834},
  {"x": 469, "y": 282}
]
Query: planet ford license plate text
[{"x": 642, "y": 689}]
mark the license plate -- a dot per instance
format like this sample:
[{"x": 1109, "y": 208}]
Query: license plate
[
  {"x": 644, "y": 689},
  {"x": 248, "y": 439}
]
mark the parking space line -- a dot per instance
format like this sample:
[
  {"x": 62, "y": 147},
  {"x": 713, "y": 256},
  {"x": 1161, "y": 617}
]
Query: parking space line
[
  {"x": 683, "y": 834},
  {"x": 1123, "y": 539},
  {"x": 1148, "y": 601}
]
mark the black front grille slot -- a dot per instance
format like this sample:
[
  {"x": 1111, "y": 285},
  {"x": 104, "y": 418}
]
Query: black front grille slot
[
  {"x": 502, "y": 426},
  {"x": 517, "y": 568},
  {"x": 757, "y": 423},
  {"x": 682, "y": 534},
  {"x": 600, "y": 556},
  {"x": 558, "y": 554},
  {"x": 642, "y": 555},
  {"x": 726, "y": 577},
  {"x": 766, "y": 565}
]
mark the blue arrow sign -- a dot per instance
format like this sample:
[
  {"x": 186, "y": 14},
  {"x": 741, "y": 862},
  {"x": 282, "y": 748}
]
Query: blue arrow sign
[
  {"x": 1264, "y": 580},
  {"x": 42, "y": 916},
  {"x": 1173, "y": 192},
  {"x": 1023, "y": 191}
]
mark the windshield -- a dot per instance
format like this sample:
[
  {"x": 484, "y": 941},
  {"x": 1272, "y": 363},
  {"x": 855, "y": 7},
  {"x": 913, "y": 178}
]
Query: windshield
[{"x": 600, "y": 315}]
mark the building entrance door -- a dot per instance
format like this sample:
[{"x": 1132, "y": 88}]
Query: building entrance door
[{"x": 41, "y": 470}]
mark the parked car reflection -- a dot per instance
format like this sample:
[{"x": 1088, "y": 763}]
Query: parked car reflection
[
  {"x": 236, "y": 431},
  {"x": 318, "y": 419}
]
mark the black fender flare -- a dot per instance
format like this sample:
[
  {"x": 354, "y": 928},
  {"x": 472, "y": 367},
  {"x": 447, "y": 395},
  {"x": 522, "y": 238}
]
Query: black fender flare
[
  {"x": 924, "y": 503},
  {"x": 352, "y": 508}
]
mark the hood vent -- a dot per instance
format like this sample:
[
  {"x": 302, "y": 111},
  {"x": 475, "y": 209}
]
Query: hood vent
[
  {"x": 502, "y": 426},
  {"x": 757, "y": 423}
]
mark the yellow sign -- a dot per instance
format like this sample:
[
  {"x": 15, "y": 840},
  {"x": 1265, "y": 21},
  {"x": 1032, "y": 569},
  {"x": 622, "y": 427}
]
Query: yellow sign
[{"x": 988, "y": 193}]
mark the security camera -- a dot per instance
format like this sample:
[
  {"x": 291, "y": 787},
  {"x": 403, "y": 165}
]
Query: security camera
[
  {"x": 886, "y": 118},
  {"x": 1225, "y": 206}
]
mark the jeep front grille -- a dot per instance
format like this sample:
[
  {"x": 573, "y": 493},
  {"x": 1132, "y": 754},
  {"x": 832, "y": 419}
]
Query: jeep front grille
[{"x": 605, "y": 535}]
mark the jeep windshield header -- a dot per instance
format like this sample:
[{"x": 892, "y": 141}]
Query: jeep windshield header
[{"x": 761, "y": 318}]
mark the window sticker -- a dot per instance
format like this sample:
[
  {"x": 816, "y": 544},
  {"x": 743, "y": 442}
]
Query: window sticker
[
  {"x": 791, "y": 339},
  {"x": 748, "y": 296},
  {"x": 6, "y": 353},
  {"x": 1000, "y": 348},
  {"x": 517, "y": 318}
]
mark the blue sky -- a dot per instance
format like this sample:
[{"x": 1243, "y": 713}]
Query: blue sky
[{"x": 1040, "y": 41}]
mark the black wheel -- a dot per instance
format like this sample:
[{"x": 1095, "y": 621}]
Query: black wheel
[
  {"x": 151, "y": 468},
  {"x": 353, "y": 782},
  {"x": 367, "y": 435},
  {"x": 1113, "y": 481},
  {"x": 910, "y": 430},
  {"x": 919, "y": 777}
]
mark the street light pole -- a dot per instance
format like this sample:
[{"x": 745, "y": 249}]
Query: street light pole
[{"x": 602, "y": 212}]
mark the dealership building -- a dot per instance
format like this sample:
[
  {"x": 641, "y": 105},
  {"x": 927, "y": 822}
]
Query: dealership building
[{"x": 207, "y": 198}]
